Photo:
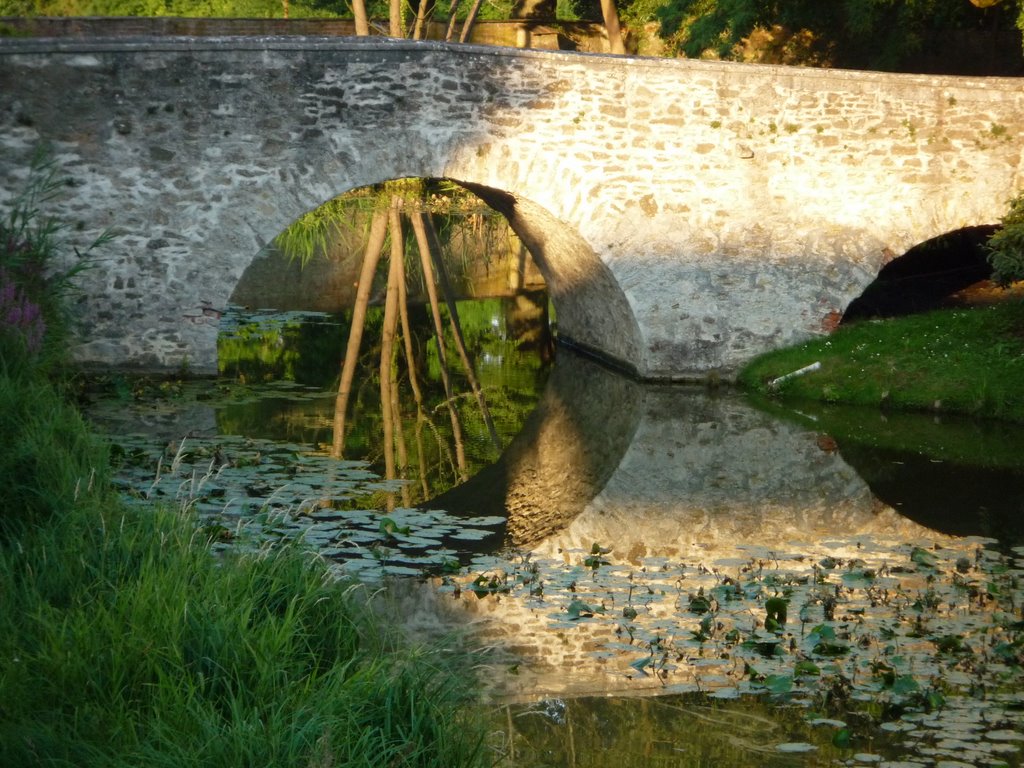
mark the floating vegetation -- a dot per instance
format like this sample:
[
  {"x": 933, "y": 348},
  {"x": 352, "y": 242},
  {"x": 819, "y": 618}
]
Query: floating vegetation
[
  {"x": 858, "y": 635},
  {"x": 917, "y": 642},
  {"x": 249, "y": 492}
]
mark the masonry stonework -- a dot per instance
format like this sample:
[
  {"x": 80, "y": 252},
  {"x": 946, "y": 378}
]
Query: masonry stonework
[{"x": 687, "y": 215}]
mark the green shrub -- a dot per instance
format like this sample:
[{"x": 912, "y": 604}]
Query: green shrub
[{"x": 1006, "y": 246}]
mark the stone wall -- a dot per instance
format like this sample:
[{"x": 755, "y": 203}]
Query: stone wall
[{"x": 686, "y": 215}]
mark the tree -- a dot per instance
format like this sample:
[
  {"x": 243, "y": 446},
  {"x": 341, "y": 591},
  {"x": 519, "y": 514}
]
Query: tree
[
  {"x": 611, "y": 25},
  {"x": 879, "y": 34},
  {"x": 1018, "y": 3},
  {"x": 1006, "y": 246}
]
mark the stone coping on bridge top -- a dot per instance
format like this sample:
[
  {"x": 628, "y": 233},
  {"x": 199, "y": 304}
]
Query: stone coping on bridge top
[{"x": 324, "y": 42}]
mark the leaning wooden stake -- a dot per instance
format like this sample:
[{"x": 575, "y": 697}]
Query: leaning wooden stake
[
  {"x": 423, "y": 242},
  {"x": 460, "y": 343},
  {"x": 378, "y": 230}
]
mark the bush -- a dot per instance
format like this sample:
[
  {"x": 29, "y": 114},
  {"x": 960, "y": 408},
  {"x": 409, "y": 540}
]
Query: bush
[{"x": 1006, "y": 246}]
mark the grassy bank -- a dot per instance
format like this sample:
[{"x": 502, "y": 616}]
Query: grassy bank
[
  {"x": 127, "y": 641},
  {"x": 967, "y": 361}
]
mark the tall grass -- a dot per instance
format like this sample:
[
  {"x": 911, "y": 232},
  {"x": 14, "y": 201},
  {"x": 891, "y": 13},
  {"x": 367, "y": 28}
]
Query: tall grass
[
  {"x": 127, "y": 641},
  {"x": 129, "y": 644}
]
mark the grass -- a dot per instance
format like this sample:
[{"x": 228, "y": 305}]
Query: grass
[
  {"x": 128, "y": 642},
  {"x": 963, "y": 361}
]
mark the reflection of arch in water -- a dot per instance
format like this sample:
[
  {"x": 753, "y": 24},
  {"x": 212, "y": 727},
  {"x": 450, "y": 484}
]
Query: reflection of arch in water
[
  {"x": 961, "y": 501},
  {"x": 702, "y": 482},
  {"x": 669, "y": 471},
  {"x": 708, "y": 476},
  {"x": 925, "y": 275},
  {"x": 568, "y": 448}
]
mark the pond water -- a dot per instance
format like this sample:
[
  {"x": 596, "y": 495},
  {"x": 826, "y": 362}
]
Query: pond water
[{"x": 659, "y": 575}]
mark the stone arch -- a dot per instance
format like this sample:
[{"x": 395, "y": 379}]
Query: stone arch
[
  {"x": 593, "y": 313},
  {"x": 925, "y": 275}
]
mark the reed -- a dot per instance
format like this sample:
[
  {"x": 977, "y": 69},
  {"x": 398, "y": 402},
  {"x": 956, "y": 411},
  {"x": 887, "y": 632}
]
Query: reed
[{"x": 129, "y": 642}]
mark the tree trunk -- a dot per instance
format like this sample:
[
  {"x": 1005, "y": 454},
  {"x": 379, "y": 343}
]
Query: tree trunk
[
  {"x": 410, "y": 354},
  {"x": 410, "y": 364},
  {"x": 611, "y": 26},
  {"x": 402, "y": 453},
  {"x": 451, "y": 22},
  {"x": 468, "y": 25},
  {"x": 375, "y": 244},
  {"x": 423, "y": 242},
  {"x": 460, "y": 344},
  {"x": 421, "y": 21},
  {"x": 398, "y": 267},
  {"x": 361, "y": 19},
  {"x": 395, "y": 18},
  {"x": 387, "y": 346}
]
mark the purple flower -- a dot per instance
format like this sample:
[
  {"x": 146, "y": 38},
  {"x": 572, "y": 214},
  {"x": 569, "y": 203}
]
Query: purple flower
[{"x": 19, "y": 315}]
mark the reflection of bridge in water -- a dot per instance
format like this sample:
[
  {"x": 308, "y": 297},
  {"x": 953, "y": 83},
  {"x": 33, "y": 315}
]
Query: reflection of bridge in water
[
  {"x": 684, "y": 488},
  {"x": 662, "y": 470}
]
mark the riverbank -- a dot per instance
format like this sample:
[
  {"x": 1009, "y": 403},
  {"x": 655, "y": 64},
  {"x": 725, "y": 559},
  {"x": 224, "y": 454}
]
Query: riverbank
[
  {"x": 128, "y": 642},
  {"x": 130, "y": 638},
  {"x": 967, "y": 360}
]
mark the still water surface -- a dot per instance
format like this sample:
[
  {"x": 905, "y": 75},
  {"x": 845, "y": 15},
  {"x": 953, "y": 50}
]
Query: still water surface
[{"x": 627, "y": 540}]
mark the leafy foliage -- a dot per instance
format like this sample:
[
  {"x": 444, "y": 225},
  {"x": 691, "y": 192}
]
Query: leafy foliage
[
  {"x": 1006, "y": 246},
  {"x": 257, "y": 9},
  {"x": 875, "y": 33}
]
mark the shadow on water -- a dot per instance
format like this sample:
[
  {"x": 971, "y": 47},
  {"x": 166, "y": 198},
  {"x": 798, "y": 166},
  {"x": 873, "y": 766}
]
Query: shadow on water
[
  {"x": 955, "y": 475},
  {"x": 656, "y": 524},
  {"x": 567, "y": 449}
]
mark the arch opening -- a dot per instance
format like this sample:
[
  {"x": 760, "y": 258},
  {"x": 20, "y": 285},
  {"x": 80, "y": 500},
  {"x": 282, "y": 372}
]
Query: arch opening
[
  {"x": 593, "y": 314},
  {"x": 943, "y": 271},
  {"x": 314, "y": 263},
  {"x": 471, "y": 364}
]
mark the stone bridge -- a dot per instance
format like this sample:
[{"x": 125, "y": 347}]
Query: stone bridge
[{"x": 687, "y": 215}]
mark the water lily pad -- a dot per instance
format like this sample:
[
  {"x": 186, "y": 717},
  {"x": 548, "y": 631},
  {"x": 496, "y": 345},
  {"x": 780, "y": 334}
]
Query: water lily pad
[
  {"x": 796, "y": 746},
  {"x": 1004, "y": 735},
  {"x": 471, "y": 534}
]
